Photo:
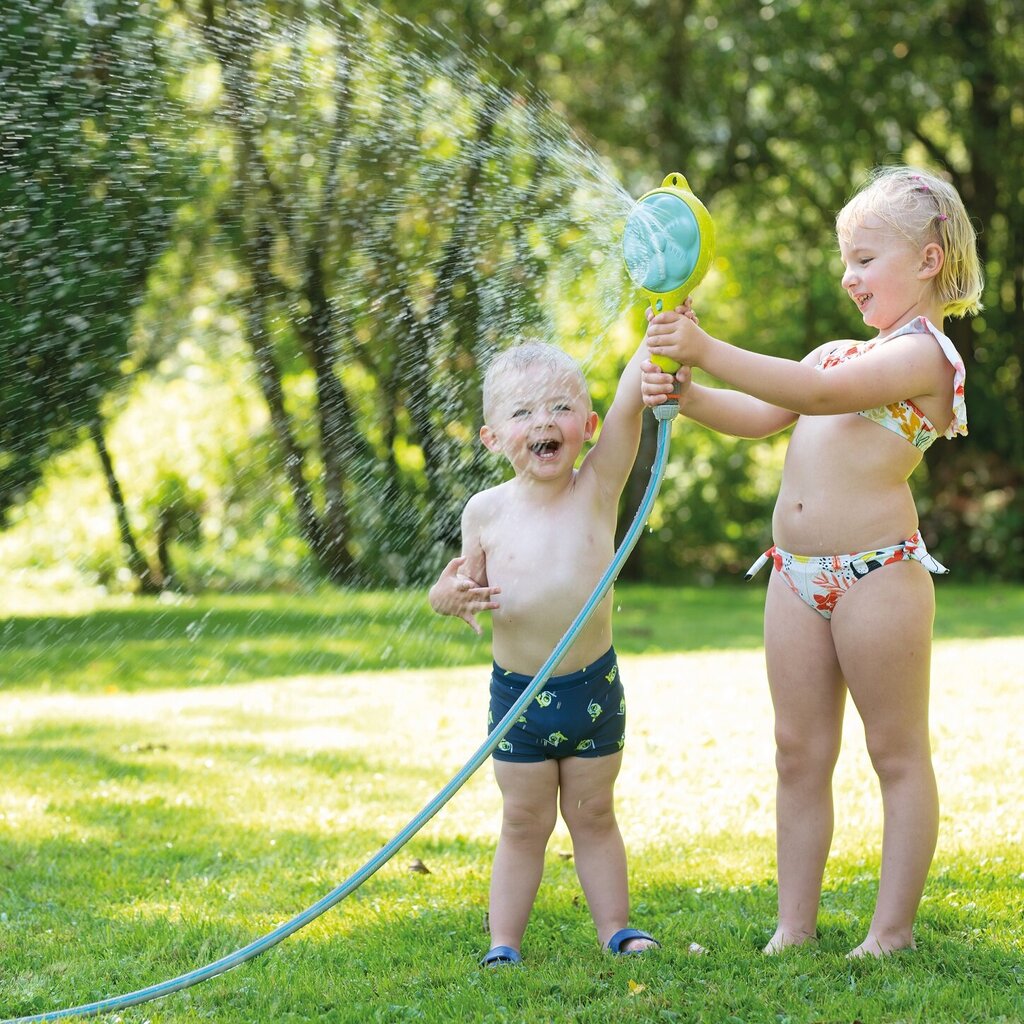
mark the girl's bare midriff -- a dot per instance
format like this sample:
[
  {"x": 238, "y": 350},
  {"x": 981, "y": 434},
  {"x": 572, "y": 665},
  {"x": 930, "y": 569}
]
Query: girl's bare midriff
[{"x": 844, "y": 487}]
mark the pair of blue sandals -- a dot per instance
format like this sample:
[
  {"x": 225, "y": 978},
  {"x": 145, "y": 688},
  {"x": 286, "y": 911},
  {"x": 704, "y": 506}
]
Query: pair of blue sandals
[{"x": 506, "y": 956}]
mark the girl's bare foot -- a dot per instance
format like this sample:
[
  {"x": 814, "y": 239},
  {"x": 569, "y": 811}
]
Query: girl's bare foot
[
  {"x": 782, "y": 940},
  {"x": 873, "y": 946}
]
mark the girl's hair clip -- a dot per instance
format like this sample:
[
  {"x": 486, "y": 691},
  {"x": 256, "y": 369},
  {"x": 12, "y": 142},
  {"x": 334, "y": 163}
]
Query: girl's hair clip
[{"x": 942, "y": 216}]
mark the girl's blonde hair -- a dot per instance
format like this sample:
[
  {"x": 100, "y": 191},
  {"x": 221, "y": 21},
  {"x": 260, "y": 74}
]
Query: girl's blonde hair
[
  {"x": 924, "y": 208},
  {"x": 550, "y": 360}
]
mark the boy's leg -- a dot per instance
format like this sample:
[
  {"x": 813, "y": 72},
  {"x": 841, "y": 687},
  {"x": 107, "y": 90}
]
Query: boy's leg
[
  {"x": 529, "y": 794},
  {"x": 588, "y": 808},
  {"x": 809, "y": 697},
  {"x": 883, "y": 632}
]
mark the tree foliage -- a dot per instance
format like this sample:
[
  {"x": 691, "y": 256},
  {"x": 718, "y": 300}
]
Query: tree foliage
[
  {"x": 384, "y": 194},
  {"x": 87, "y": 183}
]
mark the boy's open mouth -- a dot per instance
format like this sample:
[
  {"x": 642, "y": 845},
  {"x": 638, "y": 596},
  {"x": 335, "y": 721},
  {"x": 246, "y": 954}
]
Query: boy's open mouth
[{"x": 545, "y": 448}]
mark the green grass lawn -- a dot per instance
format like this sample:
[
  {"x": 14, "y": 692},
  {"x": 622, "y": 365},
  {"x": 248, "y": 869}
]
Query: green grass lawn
[
  {"x": 179, "y": 779},
  {"x": 102, "y": 645}
]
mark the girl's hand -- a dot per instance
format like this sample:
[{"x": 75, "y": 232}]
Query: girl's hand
[
  {"x": 458, "y": 595},
  {"x": 656, "y": 385},
  {"x": 676, "y": 336},
  {"x": 686, "y": 309}
]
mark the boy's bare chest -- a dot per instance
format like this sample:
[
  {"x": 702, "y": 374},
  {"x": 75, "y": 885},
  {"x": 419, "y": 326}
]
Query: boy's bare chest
[{"x": 558, "y": 543}]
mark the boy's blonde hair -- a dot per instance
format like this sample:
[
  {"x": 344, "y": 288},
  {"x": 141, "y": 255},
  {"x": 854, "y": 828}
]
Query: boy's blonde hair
[
  {"x": 924, "y": 208},
  {"x": 526, "y": 355}
]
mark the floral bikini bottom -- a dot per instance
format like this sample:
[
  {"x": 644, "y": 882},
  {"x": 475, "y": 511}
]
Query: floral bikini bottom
[{"x": 820, "y": 580}]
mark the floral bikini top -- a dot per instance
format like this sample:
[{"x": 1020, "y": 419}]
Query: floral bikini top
[{"x": 904, "y": 418}]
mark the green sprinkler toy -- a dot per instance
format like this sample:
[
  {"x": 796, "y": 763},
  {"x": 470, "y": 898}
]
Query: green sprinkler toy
[{"x": 668, "y": 244}]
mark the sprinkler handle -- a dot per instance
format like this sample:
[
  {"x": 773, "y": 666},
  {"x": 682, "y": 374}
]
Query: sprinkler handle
[{"x": 669, "y": 366}]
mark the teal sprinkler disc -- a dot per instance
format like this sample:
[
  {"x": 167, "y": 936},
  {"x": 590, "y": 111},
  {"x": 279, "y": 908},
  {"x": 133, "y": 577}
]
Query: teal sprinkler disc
[
  {"x": 667, "y": 245},
  {"x": 661, "y": 245}
]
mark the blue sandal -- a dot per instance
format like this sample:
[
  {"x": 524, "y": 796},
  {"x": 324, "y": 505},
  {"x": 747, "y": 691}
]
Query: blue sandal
[
  {"x": 501, "y": 956},
  {"x": 624, "y": 935}
]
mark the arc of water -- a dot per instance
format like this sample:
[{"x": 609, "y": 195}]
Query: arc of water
[{"x": 665, "y": 414}]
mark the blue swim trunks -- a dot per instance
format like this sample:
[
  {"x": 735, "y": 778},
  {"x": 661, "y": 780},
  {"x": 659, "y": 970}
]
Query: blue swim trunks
[{"x": 582, "y": 714}]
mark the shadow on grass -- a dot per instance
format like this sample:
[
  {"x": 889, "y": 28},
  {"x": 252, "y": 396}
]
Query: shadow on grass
[
  {"x": 229, "y": 639},
  {"x": 96, "y": 754},
  {"x": 236, "y": 639}
]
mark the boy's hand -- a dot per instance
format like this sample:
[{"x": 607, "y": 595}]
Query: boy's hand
[
  {"x": 656, "y": 384},
  {"x": 455, "y": 594}
]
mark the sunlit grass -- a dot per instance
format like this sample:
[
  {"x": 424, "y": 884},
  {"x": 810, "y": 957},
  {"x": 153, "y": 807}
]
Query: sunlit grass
[{"x": 149, "y": 829}]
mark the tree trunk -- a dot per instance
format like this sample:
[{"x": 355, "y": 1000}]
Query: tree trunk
[
  {"x": 269, "y": 374},
  {"x": 339, "y": 438},
  {"x": 167, "y": 524},
  {"x": 342, "y": 446},
  {"x": 325, "y": 533},
  {"x": 417, "y": 340},
  {"x": 140, "y": 569}
]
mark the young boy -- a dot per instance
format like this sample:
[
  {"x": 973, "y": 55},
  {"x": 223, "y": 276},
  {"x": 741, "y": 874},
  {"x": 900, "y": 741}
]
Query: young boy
[{"x": 533, "y": 549}]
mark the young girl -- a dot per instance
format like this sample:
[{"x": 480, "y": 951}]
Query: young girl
[{"x": 850, "y": 600}]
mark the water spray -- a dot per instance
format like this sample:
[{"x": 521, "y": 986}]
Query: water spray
[{"x": 668, "y": 245}]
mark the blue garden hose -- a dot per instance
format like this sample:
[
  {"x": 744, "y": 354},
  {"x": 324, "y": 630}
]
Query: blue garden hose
[{"x": 664, "y": 413}]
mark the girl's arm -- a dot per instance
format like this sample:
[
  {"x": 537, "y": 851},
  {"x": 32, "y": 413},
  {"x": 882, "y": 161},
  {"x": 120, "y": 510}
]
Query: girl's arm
[
  {"x": 733, "y": 412},
  {"x": 887, "y": 374},
  {"x": 728, "y": 412}
]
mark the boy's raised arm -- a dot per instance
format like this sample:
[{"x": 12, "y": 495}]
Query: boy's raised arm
[{"x": 614, "y": 453}]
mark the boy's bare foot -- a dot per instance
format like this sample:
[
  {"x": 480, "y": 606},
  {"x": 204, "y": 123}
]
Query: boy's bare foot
[
  {"x": 637, "y": 945},
  {"x": 630, "y": 940},
  {"x": 783, "y": 940}
]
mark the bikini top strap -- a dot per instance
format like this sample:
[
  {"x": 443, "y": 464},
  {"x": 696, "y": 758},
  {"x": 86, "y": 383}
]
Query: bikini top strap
[{"x": 922, "y": 325}]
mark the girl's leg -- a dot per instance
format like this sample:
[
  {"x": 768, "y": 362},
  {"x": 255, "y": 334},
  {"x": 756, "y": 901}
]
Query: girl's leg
[
  {"x": 530, "y": 806},
  {"x": 588, "y": 807},
  {"x": 808, "y": 696},
  {"x": 883, "y": 631}
]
